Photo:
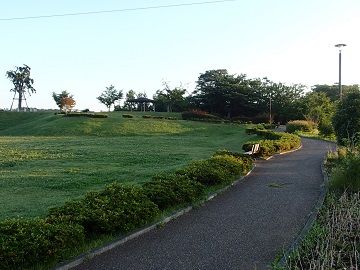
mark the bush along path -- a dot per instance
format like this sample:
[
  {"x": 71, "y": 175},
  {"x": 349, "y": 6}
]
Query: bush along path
[
  {"x": 118, "y": 209},
  {"x": 245, "y": 228}
]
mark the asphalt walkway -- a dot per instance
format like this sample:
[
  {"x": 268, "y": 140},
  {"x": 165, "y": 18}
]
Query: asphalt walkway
[{"x": 243, "y": 228}]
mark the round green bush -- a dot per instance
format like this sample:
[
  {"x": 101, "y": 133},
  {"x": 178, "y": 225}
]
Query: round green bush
[
  {"x": 26, "y": 242},
  {"x": 213, "y": 171},
  {"x": 170, "y": 190}
]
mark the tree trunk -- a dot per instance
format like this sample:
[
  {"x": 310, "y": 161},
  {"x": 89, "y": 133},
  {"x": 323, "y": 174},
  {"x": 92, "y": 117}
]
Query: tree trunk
[{"x": 20, "y": 100}]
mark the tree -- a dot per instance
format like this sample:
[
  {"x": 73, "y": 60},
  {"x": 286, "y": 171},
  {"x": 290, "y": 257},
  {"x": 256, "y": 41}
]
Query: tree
[
  {"x": 20, "y": 77},
  {"x": 347, "y": 119},
  {"x": 67, "y": 103},
  {"x": 129, "y": 96},
  {"x": 332, "y": 91},
  {"x": 110, "y": 96},
  {"x": 318, "y": 107},
  {"x": 170, "y": 99},
  {"x": 59, "y": 98}
]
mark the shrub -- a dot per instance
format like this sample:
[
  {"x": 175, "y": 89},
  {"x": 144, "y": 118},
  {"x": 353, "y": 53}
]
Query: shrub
[
  {"x": 216, "y": 170},
  {"x": 90, "y": 115},
  {"x": 200, "y": 116},
  {"x": 127, "y": 116},
  {"x": 246, "y": 160},
  {"x": 146, "y": 116},
  {"x": 169, "y": 190},
  {"x": 300, "y": 125},
  {"x": 346, "y": 176},
  {"x": 346, "y": 120},
  {"x": 326, "y": 128},
  {"x": 273, "y": 142},
  {"x": 25, "y": 242},
  {"x": 118, "y": 208}
]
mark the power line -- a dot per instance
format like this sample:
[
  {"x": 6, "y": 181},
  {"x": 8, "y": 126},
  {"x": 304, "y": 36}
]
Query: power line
[{"x": 114, "y": 10}]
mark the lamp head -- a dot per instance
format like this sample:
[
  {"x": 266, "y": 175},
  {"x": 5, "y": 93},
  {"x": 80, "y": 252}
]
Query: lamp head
[{"x": 340, "y": 45}]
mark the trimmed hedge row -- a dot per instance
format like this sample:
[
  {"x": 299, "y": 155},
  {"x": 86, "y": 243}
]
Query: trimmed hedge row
[
  {"x": 200, "y": 116},
  {"x": 116, "y": 209},
  {"x": 90, "y": 115},
  {"x": 273, "y": 142},
  {"x": 300, "y": 125},
  {"x": 146, "y": 116}
]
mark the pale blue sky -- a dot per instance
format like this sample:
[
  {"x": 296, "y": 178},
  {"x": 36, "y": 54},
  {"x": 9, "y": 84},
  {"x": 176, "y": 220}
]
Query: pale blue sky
[{"x": 286, "y": 40}]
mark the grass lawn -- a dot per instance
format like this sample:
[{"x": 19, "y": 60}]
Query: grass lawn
[{"x": 46, "y": 159}]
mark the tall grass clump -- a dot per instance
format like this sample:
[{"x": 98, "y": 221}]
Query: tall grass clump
[
  {"x": 334, "y": 240},
  {"x": 346, "y": 175}
]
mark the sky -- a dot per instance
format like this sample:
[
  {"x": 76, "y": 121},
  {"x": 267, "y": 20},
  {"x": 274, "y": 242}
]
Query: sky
[{"x": 288, "y": 41}]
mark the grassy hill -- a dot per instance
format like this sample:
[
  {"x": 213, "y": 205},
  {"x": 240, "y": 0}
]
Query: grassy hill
[{"x": 46, "y": 159}]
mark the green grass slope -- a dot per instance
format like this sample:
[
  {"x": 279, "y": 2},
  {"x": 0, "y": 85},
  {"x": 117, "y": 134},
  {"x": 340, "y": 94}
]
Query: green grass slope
[{"x": 53, "y": 159}]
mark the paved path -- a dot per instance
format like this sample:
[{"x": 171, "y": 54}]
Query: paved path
[{"x": 244, "y": 228}]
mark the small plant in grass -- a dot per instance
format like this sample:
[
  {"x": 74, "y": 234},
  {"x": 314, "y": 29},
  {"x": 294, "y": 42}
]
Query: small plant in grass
[
  {"x": 127, "y": 116},
  {"x": 170, "y": 190}
]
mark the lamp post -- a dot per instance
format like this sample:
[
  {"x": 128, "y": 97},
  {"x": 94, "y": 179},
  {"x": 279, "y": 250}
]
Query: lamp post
[{"x": 340, "y": 86}]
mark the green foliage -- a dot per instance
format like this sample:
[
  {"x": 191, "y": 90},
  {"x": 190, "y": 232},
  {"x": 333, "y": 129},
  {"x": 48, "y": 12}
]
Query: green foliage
[
  {"x": 197, "y": 115},
  {"x": 90, "y": 115},
  {"x": 127, "y": 116},
  {"x": 346, "y": 120},
  {"x": 318, "y": 107},
  {"x": 346, "y": 175},
  {"x": 326, "y": 128},
  {"x": 110, "y": 96},
  {"x": 58, "y": 98},
  {"x": 171, "y": 190},
  {"x": 300, "y": 125},
  {"x": 117, "y": 208},
  {"x": 170, "y": 100},
  {"x": 273, "y": 142},
  {"x": 20, "y": 77},
  {"x": 245, "y": 159},
  {"x": 25, "y": 242},
  {"x": 219, "y": 169}
]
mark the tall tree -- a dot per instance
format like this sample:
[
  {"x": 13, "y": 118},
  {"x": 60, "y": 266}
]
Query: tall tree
[
  {"x": 131, "y": 94},
  {"x": 59, "y": 98},
  {"x": 171, "y": 99},
  {"x": 20, "y": 77},
  {"x": 110, "y": 96}
]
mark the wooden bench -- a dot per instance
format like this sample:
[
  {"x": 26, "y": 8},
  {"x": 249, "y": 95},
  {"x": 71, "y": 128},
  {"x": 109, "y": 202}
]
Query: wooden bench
[{"x": 254, "y": 149}]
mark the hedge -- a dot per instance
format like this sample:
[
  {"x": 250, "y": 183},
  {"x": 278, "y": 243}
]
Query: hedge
[
  {"x": 300, "y": 125},
  {"x": 117, "y": 208},
  {"x": 25, "y": 242},
  {"x": 90, "y": 115},
  {"x": 170, "y": 190},
  {"x": 127, "y": 116},
  {"x": 273, "y": 142},
  {"x": 200, "y": 116},
  {"x": 221, "y": 169}
]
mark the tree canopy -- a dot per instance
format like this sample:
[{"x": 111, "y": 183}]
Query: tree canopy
[
  {"x": 109, "y": 96},
  {"x": 20, "y": 77},
  {"x": 58, "y": 98}
]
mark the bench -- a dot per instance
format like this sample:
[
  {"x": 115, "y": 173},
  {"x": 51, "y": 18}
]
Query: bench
[{"x": 254, "y": 149}]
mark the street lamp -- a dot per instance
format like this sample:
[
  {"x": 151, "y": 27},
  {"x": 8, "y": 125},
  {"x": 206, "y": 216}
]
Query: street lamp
[{"x": 340, "y": 86}]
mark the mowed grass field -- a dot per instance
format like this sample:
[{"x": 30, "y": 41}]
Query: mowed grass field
[{"x": 47, "y": 159}]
